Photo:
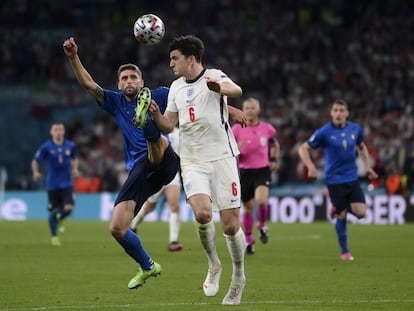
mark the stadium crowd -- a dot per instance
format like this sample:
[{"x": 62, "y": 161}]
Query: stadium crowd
[{"x": 295, "y": 56}]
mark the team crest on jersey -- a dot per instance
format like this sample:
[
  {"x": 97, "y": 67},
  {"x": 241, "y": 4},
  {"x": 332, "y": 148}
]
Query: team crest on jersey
[
  {"x": 263, "y": 141},
  {"x": 190, "y": 92},
  {"x": 67, "y": 152},
  {"x": 353, "y": 135}
]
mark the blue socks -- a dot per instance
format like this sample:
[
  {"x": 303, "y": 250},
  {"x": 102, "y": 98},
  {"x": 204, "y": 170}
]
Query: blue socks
[
  {"x": 341, "y": 232},
  {"x": 151, "y": 131},
  {"x": 133, "y": 247},
  {"x": 53, "y": 224}
]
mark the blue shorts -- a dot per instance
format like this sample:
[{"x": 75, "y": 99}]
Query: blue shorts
[
  {"x": 58, "y": 198},
  {"x": 144, "y": 179},
  {"x": 342, "y": 195}
]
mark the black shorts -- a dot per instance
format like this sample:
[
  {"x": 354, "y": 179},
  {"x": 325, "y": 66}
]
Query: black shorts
[
  {"x": 342, "y": 195},
  {"x": 144, "y": 179},
  {"x": 250, "y": 179},
  {"x": 58, "y": 198}
]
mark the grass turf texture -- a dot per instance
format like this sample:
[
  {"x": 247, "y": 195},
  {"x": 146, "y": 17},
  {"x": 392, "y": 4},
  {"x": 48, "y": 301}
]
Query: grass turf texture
[{"x": 299, "y": 269}]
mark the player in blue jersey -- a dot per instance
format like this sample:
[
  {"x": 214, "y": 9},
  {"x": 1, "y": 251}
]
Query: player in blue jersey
[
  {"x": 340, "y": 140},
  {"x": 59, "y": 155},
  {"x": 150, "y": 159}
]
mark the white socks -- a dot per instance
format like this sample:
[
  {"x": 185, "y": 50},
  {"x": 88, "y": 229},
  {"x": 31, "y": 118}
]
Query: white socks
[
  {"x": 174, "y": 227},
  {"x": 236, "y": 244},
  {"x": 207, "y": 234}
]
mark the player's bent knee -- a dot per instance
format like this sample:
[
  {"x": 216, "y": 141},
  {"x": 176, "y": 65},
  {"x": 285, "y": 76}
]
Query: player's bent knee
[
  {"x": 203, "y": 217},
  {"x": 230, "y": 229},
  {"x": 116, "y": 231}
]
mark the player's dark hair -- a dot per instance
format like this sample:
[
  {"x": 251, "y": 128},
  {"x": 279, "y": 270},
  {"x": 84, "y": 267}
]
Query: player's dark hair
[
  {"x": 341, "y": 102},
  {"x": 188, "y": 45},
  {"x": 129, "y": 67}
]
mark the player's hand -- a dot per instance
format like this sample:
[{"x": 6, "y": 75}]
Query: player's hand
[
  {"x": 36, "y": 176},
  {"x": 372, "y": 174},
  {"x": 70, "y": 47},
  {"x": 312, "y": 173},
  {"x": 238, "y": 116},
  {"x": 213, "y": 85},
  {"x": 273, "y": 166},
  {"x": 75, "y": 173},
  {"x": 154, "y": 109}
]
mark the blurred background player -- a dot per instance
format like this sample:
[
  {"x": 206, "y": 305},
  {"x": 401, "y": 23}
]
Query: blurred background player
[
  {"x": 59, "y": 154},
  {"x": 149, "y": 157},
  {"x": 198, "y": 103},
  {"x": 340, "y": 139},
  {"x": 172, "y": 193},
  {"x": 259, "y": 151}
]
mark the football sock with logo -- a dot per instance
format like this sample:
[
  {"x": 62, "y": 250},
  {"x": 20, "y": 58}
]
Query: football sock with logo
[
  {"x": 248, "y": 221},
  {"x": 133, "y": 247},
  {"x": 262, "y": 215},
  {"x": 151, "y": 131},
  {"x": 341, "y": 232}
]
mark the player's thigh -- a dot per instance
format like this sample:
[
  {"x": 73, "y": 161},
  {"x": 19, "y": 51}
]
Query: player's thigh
[
  {"x": 230, "y": 220},
  {"x": 225, "y": 184},
  {"x": 196, "y": 179}
]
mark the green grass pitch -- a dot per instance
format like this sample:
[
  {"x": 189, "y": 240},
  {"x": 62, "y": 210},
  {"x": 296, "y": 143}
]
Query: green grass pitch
[{"x": 299, "y": 269}]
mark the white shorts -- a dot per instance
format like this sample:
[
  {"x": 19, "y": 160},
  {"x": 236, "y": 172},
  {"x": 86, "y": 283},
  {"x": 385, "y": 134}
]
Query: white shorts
[
  {"x": 176, "y": 182},
  {"x": 217, "y": 179}
]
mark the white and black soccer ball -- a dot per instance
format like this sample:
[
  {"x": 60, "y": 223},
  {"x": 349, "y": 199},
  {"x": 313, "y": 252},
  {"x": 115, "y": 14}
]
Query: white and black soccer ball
[{"x": 149, "y": 29}]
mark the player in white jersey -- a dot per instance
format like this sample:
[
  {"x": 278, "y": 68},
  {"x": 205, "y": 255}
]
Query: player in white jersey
[
  {"x": 172, "y": 193},
  {"x": 198, "y": 103}
]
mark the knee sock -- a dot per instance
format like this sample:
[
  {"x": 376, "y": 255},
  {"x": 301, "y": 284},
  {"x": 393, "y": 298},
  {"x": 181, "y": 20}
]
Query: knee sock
[
  {"x": 236, "y": 245},
  {"x": 151, "y": 131},
  {"x": 64, "y": 214},
  {"x": 207, "y": 234},
  {"x": 262, "y": 215},
  {"x": 133, "y": 247},
  {"x": 248, "y": 221},
  {"x": 174, "y": 227},
  {"x": 53, "y": 224},
  {"x": 341, "y": 232}
]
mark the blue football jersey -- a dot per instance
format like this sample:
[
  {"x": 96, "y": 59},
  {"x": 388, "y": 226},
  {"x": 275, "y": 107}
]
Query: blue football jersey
[
  {"x": 134, "y": 143},
  {"x": 58, "y": 159},
  {"x": 339, "y": 150}
]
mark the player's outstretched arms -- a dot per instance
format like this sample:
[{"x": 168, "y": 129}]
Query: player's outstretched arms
[{"x": 82, "y": 75}]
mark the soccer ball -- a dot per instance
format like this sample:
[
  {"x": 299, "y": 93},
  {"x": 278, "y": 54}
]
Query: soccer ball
[{"x": 149, "y": 29}]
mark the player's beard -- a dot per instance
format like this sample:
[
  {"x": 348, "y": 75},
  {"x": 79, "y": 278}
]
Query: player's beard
[{"x": 131, "y": 91}]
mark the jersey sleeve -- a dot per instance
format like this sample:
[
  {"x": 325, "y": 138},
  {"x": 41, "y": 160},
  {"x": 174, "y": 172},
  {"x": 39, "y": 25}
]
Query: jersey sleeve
[{"x": 315, "y": 140}]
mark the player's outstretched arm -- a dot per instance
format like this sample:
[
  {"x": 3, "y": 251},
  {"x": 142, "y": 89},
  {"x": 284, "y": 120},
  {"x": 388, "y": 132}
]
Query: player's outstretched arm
[
  {"x": 82, "y": 75},
  {"x": 227, "y": 88}
]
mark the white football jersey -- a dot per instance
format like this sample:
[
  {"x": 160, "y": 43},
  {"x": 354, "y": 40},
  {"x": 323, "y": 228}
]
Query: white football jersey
[{"x": 203, "y": 117}]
